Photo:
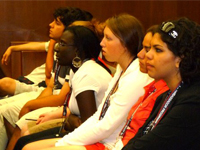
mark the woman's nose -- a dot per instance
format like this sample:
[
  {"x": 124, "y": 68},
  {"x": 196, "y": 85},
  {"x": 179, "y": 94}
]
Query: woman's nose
[
  {"x": 149, "y": 54},
  {"x": 102, "y": 42}
]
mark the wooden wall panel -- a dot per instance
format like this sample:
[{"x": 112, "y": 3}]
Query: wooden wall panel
[
  {"x": 23, "y": 62},
  {"x": 27, "y": 20}
]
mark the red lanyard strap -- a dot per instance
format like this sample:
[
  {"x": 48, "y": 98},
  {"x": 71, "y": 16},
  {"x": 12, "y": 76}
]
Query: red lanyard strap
[{"x": 165, "y": 106}]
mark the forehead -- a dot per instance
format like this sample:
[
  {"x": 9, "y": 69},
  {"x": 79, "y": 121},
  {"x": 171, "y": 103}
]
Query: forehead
[
  {"x": 156, "y": 39},
  {"x": 147, "y": 39},
  {"x": 67, "y": 36},
  {"x": 107, "y": 31}
]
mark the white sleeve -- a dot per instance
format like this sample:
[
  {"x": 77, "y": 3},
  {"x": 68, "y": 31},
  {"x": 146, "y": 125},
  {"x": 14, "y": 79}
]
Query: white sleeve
[
  {"x": 94, "y": 130},
  {"x": 83, "y": 83},
  {"x": 47, "y": 46}
]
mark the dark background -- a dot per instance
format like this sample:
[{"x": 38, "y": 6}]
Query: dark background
[{"x": 27, "y": 20}]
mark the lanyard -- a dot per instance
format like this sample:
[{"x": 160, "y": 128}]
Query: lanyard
[
  {"x": 107, "y": 101},
  {"x": 152, "y": 90},
  {"x": 163, "y": 109},
  {"x": 56, "y": 71},
  {"x": 64, "y": 112},
  {"x": 113, "y": 90},
  {"x": 66, "y": 103}
]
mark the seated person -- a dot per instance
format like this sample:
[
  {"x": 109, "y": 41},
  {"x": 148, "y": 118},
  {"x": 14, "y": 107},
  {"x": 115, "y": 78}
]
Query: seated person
[{"x": 174, "y": 121}]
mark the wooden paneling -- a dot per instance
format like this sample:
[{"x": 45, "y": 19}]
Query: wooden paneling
[
  {"x": 27, "y": 20},
  {"x": 23, "y": 62}
]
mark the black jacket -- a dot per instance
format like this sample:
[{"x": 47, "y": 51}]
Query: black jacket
[{"x": 179, "y": 129}]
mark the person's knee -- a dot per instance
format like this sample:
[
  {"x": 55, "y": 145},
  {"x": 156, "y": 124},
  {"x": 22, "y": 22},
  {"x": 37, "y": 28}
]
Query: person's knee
[
  {"x": 24, "y": 131},
  {"x": 7, "y": 86},
  {"x": 6, "y": 83}
]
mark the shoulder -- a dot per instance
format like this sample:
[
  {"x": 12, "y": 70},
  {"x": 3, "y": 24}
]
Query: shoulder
[
  {"x": 189, "y": 93},
  {"x": 92, "y": 68}
]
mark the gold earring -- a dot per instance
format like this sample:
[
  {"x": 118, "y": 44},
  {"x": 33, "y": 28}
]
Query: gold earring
[{"x": 77, "y": 62}]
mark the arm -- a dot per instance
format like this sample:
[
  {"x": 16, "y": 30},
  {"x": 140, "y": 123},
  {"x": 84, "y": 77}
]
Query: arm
[
  {"x": 52, "y": 115},
  {"x": 48, "y": 90},
  {"x": 49, "y": 61},
  {"x": 51, "y": 101},
  {"x": 87, "y": 107},
  {"x": 112, "y": 123},
  {"x": 28, "y": 47},
  {"x": 86, "y": 104}
]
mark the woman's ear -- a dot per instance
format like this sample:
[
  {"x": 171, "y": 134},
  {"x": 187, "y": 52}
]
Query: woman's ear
[{"x": 177, "y": 62}]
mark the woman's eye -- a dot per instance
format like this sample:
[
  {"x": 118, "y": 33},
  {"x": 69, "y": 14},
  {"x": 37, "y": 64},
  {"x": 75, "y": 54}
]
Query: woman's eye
[
  {"x": 158, "y": 50},
  {"x": 108, "y": 38}
]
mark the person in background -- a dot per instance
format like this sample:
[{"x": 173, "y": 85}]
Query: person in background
[
  {"x": 174, "y": 121},
  {"x": 122, "y": 40},
  {"x": 10, "y": 107},
  {"x": 34, "y": 80}
]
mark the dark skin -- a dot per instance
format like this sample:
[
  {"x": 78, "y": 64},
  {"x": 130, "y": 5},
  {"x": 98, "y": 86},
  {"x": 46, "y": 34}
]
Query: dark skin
[
  {"x": 87, "y": 107},
  {"x": 85, "y": 100},
  {"x": 86, "y": 104}
]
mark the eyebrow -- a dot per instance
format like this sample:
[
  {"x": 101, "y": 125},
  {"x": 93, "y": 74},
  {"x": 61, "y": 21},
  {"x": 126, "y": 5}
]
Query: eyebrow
[{"x": 157, "y": 45}]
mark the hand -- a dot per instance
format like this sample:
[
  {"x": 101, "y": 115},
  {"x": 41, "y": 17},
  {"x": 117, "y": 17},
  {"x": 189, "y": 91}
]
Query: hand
[
  {"x": 72, "y": 123},
  {"x": 44, "y": 117},
  {"x": 6, "y": 56}
]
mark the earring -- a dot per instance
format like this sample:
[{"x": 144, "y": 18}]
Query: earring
[{"x": 77, "y": 62}]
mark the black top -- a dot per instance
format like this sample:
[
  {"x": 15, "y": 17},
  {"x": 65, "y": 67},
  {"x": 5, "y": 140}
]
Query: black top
[{"x": 179, "y": 129}]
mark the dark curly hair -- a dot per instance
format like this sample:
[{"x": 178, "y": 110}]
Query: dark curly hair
[
  {"x": 68, "y": 15},
  {"x": 184, "y": 41}
]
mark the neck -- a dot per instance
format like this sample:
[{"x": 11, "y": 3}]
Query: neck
[
  {"x": 125, "y": 63},
  {"x": 172, "y": 84}
]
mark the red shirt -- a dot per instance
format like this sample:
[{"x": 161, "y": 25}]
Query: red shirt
[{"x": 143, "y": 111}]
